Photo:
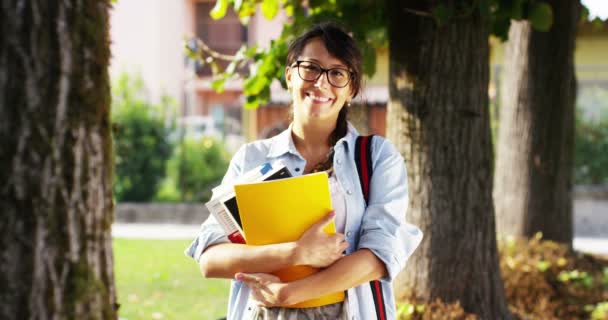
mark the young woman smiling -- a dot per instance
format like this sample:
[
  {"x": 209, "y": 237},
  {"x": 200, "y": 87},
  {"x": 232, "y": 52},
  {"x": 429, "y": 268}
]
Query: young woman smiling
[{"x": 323, "y": 74}]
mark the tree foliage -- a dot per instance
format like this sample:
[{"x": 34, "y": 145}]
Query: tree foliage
[
  {"x": 368, "y": 29},
  {"x": 141, "y": 141},
  {"x": 196, "y": 166},
  {"x": 591, "y": 141}
]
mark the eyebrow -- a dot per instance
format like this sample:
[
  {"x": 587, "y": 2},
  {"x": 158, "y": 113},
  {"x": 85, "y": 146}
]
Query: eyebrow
[{"x": 319, "y": 62}]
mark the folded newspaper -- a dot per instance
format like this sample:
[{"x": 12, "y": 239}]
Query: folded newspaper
[{"x": 223, "y": 204}]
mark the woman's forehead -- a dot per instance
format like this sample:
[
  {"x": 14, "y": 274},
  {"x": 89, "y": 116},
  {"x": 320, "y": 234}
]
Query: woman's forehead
[{"x": 316, "y": 51}]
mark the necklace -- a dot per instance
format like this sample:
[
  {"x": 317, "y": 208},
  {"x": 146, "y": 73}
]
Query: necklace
[{"x": 326, "y": 164}]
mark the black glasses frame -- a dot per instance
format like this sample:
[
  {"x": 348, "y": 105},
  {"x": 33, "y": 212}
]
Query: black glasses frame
[{"x": 323, "y": 70}]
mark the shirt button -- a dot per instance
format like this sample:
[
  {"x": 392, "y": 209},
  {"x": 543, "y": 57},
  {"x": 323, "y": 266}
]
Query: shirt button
[
  {"x": 349, "y": 233},
  {"x": 297, "y": 169},
  {"x": 339, "y": 161},
  {"x": 349, "y": 192}
]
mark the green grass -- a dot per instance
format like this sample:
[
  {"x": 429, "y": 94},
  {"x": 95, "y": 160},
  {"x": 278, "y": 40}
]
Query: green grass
[{"x": 155, "y": 280}]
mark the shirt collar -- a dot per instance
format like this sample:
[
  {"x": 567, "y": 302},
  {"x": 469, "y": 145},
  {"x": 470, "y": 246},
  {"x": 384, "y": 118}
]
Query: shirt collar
[{"x": 283, "y": 142}]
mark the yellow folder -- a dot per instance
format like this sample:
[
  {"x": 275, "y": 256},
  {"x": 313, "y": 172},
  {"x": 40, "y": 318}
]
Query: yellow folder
[{"x": 281, "y": 211}]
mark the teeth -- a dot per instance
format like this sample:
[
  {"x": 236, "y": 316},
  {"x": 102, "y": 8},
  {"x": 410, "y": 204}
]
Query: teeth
[{"x": 319, "y": 99}]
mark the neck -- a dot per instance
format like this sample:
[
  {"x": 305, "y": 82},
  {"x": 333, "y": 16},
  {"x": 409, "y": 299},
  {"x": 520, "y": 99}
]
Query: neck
[{"x": 311, "y": 136}]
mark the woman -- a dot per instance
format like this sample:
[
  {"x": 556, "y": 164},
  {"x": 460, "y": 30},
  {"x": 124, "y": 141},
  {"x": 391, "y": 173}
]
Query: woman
[{"x": 323, "y": 74}]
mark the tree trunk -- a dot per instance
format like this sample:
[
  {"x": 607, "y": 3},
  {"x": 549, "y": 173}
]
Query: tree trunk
[
  {"x": 534, "y": 168},
  {"x": 55, "y": 161},
  {"x": 438, "y": 118}
]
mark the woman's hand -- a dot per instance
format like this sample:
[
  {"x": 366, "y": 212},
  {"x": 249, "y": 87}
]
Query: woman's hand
[
  {"x": 317, "y": 248},
  {"x": 266, "y": 289}
]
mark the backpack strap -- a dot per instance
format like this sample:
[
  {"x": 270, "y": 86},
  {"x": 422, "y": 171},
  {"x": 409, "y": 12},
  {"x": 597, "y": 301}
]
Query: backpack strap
[{"x": 363, "y": 159}]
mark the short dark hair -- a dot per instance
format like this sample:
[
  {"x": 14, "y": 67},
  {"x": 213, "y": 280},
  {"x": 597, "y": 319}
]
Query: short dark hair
[{"x": 338, "y": 43}]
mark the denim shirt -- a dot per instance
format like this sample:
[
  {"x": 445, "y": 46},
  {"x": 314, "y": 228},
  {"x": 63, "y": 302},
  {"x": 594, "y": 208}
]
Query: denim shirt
[{"x": 379, "y": 227}]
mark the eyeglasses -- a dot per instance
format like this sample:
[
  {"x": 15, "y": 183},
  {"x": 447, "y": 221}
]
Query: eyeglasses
[{"x": 310, "y": 71}]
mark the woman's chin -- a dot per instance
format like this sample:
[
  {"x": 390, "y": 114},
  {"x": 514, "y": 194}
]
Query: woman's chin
[{"x": 319, "y": 111}]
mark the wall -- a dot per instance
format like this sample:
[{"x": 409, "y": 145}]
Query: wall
[{"x": 147, "y": 38}]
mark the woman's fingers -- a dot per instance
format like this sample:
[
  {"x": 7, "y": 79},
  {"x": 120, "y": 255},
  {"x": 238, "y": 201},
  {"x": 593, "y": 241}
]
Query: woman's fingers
[
  {"x": 343, "y": 246},
  {"x": 321, "y": 224}
]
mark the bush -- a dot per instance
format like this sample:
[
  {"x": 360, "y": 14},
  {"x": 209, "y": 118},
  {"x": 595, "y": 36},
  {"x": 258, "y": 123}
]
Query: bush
[
  {"x": 194, "y": 169},
  {"x": 141, "y": 145},
  {"x": 546, "y": 280},
  {"x": 542, "y": 280},
  {"x": 435, "y": 310},
  {"x": 591, "y": 142}
]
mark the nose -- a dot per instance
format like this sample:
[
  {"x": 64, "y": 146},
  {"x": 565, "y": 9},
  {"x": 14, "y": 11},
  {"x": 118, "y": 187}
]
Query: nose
[{"x": 322, "y": 80}]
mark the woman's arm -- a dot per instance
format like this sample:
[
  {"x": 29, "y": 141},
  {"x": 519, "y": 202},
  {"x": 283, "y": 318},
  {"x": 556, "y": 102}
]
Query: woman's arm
[
  {"x": 350, "y": 271},
  {"x": 314, "y": 248},
  {"x": 226, "y": 259},
  {"x": 359, "y": 267}
]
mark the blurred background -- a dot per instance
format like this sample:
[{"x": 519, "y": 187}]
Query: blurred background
[{"x": 175, "y": 134}]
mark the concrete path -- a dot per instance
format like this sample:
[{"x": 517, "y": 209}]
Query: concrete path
[{"x": 597, "y": 245}]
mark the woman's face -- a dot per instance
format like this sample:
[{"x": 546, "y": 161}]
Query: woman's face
[{"x": 317, "y": 100}]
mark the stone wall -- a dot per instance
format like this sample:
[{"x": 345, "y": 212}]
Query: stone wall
[
  {"x": 179, "y": 213},
  {"x": 590, "y": 212}
]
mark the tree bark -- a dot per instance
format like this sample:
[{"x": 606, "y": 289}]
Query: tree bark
[
  {"x": 55, "y": 161},
  {"x": 534, "y": 168},
  {"x": 438, "y": 118}
]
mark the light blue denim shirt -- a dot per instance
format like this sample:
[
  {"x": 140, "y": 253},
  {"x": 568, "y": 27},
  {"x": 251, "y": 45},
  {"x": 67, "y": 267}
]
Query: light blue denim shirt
[{"x": 379, "y": 227}]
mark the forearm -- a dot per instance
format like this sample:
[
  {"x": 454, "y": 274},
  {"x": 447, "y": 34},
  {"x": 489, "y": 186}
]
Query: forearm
[
  {"x": 227, "y": 259},
  {"x": 350, "y": 271}
]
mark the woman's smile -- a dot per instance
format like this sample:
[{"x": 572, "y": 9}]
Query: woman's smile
[{"x": 318, "y": 99}]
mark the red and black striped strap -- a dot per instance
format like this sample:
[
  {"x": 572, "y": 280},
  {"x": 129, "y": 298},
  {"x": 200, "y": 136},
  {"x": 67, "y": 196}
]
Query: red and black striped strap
[{"x": 363, "y": 159}]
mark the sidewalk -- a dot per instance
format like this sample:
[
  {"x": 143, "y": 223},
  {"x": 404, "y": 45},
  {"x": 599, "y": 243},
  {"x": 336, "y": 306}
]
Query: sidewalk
[{"x": 596, "y": 245}]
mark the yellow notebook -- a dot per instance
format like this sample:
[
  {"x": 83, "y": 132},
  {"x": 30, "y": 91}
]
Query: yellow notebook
[{"x": 281, "y": 211}]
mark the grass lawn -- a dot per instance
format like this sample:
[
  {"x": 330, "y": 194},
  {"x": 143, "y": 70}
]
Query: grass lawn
[{"x": 155, "y": 280}]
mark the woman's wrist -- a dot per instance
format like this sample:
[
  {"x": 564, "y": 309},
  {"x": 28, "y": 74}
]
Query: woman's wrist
[
  {"x": 288, "y": 294},
  {"x": 297, "y": 256}
]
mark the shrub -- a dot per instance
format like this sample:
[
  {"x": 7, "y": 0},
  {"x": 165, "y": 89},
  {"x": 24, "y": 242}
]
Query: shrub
[
  {"x": 591, "y": 146},
  {"x": 194, "y": 169},
  {"x": 141, "y": 146},
  {"x": 546, "y": 280},
  {"x": 436, "y": 310},
  {"x": 542, "y": 280}
]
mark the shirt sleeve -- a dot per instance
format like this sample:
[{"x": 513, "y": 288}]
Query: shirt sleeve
[
  {"x": 211, "y": 232},
  {"x": 384, "y": 229}
]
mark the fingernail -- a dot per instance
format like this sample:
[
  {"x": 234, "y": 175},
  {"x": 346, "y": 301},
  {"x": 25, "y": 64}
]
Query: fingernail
[
  {"x": 332, "y": 213},
  {"x": 239, "y": 276}
]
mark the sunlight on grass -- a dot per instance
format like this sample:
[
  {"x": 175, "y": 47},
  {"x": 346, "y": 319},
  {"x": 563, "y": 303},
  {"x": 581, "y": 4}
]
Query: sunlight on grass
[{"x": 155, "y": 280}]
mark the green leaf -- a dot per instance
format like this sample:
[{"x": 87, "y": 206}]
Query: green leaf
[
  {"x": 251, "y": 102},
  {"x": 289, "y": 10},
  {"x": 218, "y": 84},
  {"x": 541, "y": 16},
  {"x": 270, "y": 8},
  {"x": 251, "y": 51},
  {"x": 245, "y": 12},
  {"x": 254, "y": 85},
  {"x": 420, "y": 308},
  {"x": 219, "y": 10},
  {"x": 215, "y": 67},
  {"x": 267, "y": 65},
  {"x": 543, "y": 265}
]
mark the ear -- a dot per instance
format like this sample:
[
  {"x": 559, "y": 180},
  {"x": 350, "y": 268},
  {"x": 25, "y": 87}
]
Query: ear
[{"x": 288, "y": 71}]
